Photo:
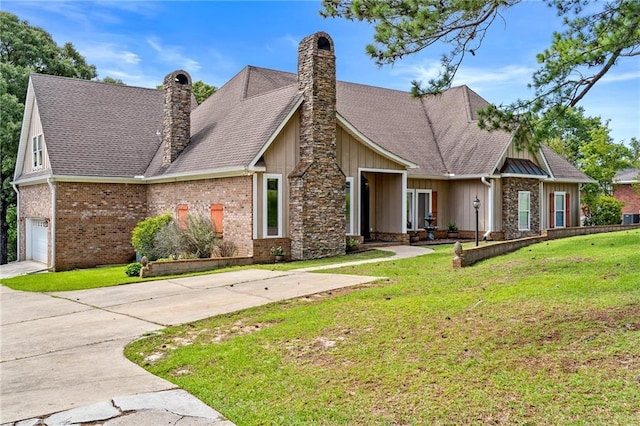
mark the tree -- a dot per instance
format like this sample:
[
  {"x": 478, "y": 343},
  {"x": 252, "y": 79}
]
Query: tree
[
  {"x": 596, "y": 37},
  {"x": 25, "y": 49},
  {"x": 112, "y": 80},
  {"x": 202, "y": 91}
]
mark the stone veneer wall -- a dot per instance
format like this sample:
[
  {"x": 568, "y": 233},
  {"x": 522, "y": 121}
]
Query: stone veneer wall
[
  {"x": 234, "y": 193},
  {"x": 35, "y": 202},
  {"x": 94, "y": 223},
  {"x": 176, "y": 121},
  {"x": 510, "y": 189},
  {"x": 316, "y": 185}
]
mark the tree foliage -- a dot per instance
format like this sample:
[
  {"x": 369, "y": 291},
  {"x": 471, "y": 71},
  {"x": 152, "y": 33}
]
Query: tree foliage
[
  {"x": 25, "y": 49},
  {"x": 202, "y": 91},
  {"x": 112, "y": 80},
  {"x": 596, "y": 37}
]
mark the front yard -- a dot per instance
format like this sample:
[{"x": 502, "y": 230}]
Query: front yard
[{"x": 546, "y": 335}]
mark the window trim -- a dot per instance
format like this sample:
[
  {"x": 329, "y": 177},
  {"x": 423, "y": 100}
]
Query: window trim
[
  {"x": 265, "y": 205},
  {"x": 528, "y": 210},
  {"x": 412, "y": 208},
  {"x": 563, "y": 210},
  {"x": 37, "y": 153},
  {"x": 351, "y": 216}
]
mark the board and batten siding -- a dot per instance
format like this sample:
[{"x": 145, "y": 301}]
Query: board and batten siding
[
  {"x": 441, "y": 187},
  {"x": 460, "y": 204},
  {"x": 35, "y": 129},
  {"x": 352, "y": 155},
  {"x": 280, "y": 158},
  {"x": 574, "y": 200}
]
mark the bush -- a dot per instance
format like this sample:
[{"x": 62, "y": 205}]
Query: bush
[
  {"x": 133, "y": 269},
  {"x": 199, "y": 237},
  {"x": 352, "y": 244},
  {"x": 168, "y": 242},
  {"x": 143, "y": 235},
  {"x": 225, "y": 248},
  {"x": 604, "y": 210}
]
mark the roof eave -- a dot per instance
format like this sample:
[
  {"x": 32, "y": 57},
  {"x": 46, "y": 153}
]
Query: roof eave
[{"x": 571, "y": 180}]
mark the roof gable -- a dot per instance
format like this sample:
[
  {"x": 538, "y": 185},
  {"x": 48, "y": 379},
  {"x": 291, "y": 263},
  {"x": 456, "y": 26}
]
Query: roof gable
[{"x": 98, "y": 129}]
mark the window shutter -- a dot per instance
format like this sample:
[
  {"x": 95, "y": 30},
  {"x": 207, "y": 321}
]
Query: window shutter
[
  {"x": 567, "y": 216},
  {"x": 552, "y": 213},
  {"x": 183, "y": 211},
  {"x": 434, "y": 208},
  {"x": 216, "y": 218}
]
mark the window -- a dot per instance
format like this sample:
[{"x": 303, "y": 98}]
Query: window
[
  {"x": 411, "y": 221},
  {"x": 36, "y": 152},
  {"x": 559, "y": 208},
  {"x": 272, "y": 205},
  {"x": 524, "y": 210},
  {"x": 348, "y": 214}
]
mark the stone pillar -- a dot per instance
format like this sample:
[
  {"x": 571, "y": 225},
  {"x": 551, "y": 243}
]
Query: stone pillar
[
  {"x": 316, "y": 185},
  {"x": 176, "y": 121}
]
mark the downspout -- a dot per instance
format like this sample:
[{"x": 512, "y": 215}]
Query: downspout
[
  {"x": 53, "y": 223},
  {"x": 490, "y": 185},
  {"x": 15, "y": 188}
]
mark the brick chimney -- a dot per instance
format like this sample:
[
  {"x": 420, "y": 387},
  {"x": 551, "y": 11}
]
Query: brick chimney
[
  {"x": 316, "y": 186},
  {"x": 176, "y": 121}
]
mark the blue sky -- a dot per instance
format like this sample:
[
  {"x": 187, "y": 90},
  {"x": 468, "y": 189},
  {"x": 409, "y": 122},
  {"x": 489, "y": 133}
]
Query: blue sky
[{"x": 142, "y": 41}]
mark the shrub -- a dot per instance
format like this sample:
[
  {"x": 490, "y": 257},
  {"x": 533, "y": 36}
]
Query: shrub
[
  {"x": 352, "y": 244},
  {"x": 604, "y": 210},
  {"x": 143, "y": 235},
  {"x": 199, "y": 236},
  {"x": 168, "y": 242},
  {"x": 133, "y": 269},
  {"x": 225, "y": 248}
]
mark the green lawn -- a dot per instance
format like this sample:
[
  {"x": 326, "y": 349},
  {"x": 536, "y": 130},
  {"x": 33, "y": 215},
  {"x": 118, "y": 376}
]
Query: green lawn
[
  {"x": 114, "y": 275},
  {"x": 546, "y": 335}
]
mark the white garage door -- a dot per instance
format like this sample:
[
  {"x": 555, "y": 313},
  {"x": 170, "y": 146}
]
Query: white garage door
[{"x": 37, "y": 237}]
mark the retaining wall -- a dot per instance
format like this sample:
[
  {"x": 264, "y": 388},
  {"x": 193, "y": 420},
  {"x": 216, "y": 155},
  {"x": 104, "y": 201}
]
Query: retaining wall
[
  {"x": 158, "y": 269},
  {"x": 468, "y": 257}
]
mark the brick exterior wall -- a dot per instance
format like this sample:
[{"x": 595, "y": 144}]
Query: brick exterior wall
[
  {"x": 510, "y": 189},
  {"x": 316, "y": 186},
  {"x": 234, "y": 193},
  {"x": 176, "y": 121},
  {"x": 35, "y": 202},
  {"x": 262, "y": 249},
  {"x": 629, "y": 197},
  {"x": 94, "y": 223}
]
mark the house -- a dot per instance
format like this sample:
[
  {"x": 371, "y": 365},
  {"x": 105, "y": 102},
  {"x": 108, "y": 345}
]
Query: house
[
  {"x": 276, "y": 158},
  {"x": 626, "y": 188}
]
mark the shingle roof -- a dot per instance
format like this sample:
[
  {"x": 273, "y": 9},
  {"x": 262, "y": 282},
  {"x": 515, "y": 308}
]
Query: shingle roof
[
  {"x": 562, "y": 169},
  {"x": 628, "y": 175},
  {"x": 97, "y": 129}
]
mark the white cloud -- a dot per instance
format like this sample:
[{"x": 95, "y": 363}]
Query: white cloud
[
  {"x": 109, "y": 52},
  {"x": 613, "y": 77},
  {"x": 173, "y": 55}
]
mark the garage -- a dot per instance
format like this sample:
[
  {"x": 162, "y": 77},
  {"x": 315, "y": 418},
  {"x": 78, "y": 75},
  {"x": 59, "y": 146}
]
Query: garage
[{"x": 37, "y": 239}]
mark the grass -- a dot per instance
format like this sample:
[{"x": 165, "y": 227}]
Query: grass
[
  {"x": 546, "y": 335},
  {"x": 83, "y": 279}
]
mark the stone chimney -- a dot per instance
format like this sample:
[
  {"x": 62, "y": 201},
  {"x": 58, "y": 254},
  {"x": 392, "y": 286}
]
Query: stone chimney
[
  {"x": 316, "y": 186},
  {"x": 176, "y": 121}
]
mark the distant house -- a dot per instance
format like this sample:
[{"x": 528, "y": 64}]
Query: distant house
[
  {"x": 275, "y": 158},
  {"x": 626, "y": 188}
]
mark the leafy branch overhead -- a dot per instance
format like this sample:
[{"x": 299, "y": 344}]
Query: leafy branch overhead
[{"x": 596, "y": 37}]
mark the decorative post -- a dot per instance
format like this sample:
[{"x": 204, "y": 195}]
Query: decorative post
[{"x": 476, "y": 205}]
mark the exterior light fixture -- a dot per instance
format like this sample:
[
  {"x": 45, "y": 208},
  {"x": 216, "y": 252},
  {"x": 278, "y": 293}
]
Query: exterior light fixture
[{"x": 476, "y": 205}]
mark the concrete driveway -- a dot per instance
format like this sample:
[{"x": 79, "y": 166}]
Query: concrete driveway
[{"x": 61, "y": 351}]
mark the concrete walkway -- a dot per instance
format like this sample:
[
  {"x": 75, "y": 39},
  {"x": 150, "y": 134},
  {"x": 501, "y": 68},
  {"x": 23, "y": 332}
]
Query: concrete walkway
[
  {"x": 62, "y": 352},
  {"x": 14, "y": 269}
]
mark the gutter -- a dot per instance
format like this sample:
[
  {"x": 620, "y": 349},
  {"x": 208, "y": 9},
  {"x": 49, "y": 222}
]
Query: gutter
[
  {"x": 483, "y": 179},
  {"x": 15, "y": 188},
  {"x": 53, "y": 223}
]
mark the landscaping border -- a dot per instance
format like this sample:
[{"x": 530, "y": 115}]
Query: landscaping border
[
  {"x": 467, "y": 257},
  {"x": 176, "y": 267}
]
